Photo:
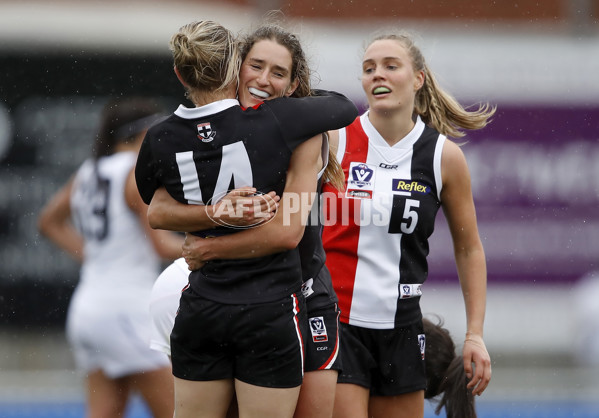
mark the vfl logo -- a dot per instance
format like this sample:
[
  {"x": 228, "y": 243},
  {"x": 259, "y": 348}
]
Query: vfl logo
[
  {"x": 360, "y": 181},
  {"x": 411, "y": 290},
  {"x": 361, "y": 175},
  {"x": 318, "y": 329},
  {"x": 205, "y": 132}
]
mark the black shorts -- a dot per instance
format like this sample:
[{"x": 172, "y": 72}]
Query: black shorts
[
  {"x": 260, "y": 344},
  {"x": 322, "y": 340},
  {"x": 389, "y": 362}
]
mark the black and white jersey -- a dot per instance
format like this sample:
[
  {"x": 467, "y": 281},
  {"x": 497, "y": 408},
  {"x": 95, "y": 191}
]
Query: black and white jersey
[
  {"x": 202, "y": 153},
  {"x": 377, "y": 241}
]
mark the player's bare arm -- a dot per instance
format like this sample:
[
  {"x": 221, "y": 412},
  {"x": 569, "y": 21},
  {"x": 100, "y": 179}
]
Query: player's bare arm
[{"x": 240, "y": 207}]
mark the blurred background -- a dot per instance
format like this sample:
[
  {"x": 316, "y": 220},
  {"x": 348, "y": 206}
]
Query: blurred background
[{"x": 535, "y": 169}]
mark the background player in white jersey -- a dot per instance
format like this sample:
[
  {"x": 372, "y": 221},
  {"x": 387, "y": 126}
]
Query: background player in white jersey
[
  {"x": 399, "y": 170},
  {"x": 99, "y": 218},
  {"x": 237, "y": 327},
  {"x": 273, "y": 65}
]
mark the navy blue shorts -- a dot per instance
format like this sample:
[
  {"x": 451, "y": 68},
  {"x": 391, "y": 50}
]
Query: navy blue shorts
[
  {"x": 260, "y": 344},
  {"x": 322, "y": 340},
  {"x": 389, "y": 362}
]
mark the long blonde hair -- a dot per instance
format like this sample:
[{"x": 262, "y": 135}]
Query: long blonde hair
[
  {"x": 206, "y": 55},
  {"x": 434, "y": 105}
]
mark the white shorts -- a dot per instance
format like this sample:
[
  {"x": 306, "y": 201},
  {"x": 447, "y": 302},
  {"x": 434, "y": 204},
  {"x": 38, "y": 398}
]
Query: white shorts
[
  {"x": 164, "y": 303},
  {"x": 112, "y": 337}
]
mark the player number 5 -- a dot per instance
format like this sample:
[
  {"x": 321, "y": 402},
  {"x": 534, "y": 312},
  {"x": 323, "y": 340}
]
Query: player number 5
[{"x": 410, "y": 216}]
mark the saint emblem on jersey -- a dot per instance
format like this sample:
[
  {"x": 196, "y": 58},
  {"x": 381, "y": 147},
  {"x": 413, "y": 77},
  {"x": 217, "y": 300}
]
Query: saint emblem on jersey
[
  {"x": 205, "y": 132},
  {"x": 318, "y": 329},
  {"x": 360, "y": 182}
]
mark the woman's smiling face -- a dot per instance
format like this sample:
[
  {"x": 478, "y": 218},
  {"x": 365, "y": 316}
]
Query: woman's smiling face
[
  {"x": 388, "y": 77},
  {"x": 265, "y": 73}
]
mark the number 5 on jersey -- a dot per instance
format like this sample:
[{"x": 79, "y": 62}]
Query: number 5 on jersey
[{"x": 404, "y": 216}]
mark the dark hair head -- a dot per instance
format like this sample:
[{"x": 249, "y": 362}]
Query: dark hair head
[
  {"x": 123, "y": 119},
  {"x": 299, "y": 64},
  {"x": 445, "y": 373}
]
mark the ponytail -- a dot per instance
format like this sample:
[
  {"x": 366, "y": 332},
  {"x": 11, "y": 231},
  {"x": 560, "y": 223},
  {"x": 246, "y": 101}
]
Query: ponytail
[
  {"x": 333, "y": 173},
  {"x": 456, "y": 398},
  {"x": 445, "y": 376},
  {"x": 442, "y": 111}
]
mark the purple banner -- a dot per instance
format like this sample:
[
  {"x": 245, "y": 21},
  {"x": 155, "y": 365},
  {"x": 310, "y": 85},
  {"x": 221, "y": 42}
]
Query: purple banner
[{"x": 535, "y": 180}]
